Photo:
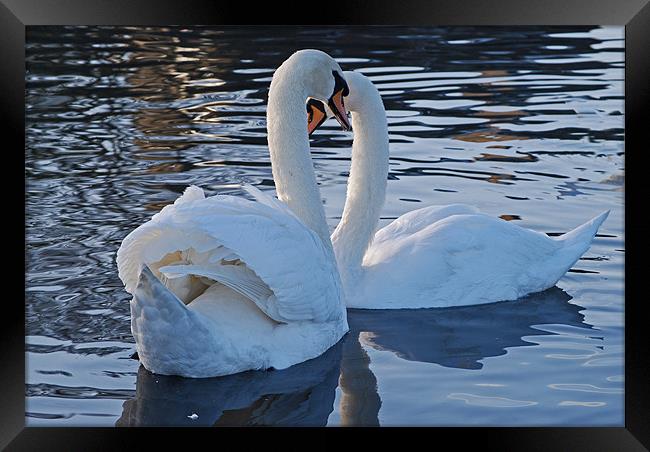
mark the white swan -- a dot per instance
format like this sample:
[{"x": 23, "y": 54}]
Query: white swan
[
  {"x": 222, "y": 284},
  {"x": 437, "y": 256}
]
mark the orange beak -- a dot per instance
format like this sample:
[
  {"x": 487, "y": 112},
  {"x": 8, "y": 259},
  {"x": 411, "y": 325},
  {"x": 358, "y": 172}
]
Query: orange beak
[
  {"x": 315, "y": 115},
  {"x": 338, "y": 108}
]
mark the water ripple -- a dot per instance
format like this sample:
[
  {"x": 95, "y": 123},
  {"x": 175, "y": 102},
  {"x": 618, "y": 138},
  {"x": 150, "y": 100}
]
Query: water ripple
[{"x": 492, "y": 402}]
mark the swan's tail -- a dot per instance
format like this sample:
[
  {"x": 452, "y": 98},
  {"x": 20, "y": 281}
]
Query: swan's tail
[
  {"x": 165, "y": 330},
  {"x": 569, "y": 248},
  {"x": 583, "y": 235},
  {"x": 572, "y": 245}
]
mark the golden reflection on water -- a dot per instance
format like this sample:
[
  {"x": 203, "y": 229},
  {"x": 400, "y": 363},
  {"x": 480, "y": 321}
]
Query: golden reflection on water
[
  {"x": 499, "y": 178},
  {"x": 484, "y": 136},
  {"x": 177, "y": 81},
  {"x": 495, "y": 73},
  {"x": 167, "y": 168},
  {"x": 493, "y": 133},
  {"x": 509, "y": 217},
  {"x": 156, "y": 206}
]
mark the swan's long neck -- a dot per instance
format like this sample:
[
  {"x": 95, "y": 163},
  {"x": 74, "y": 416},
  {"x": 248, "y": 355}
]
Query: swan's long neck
[
  {"x": 366, "y": 188},
  {"x": 293, "y": 170}
]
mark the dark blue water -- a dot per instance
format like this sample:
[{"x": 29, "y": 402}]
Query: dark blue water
[{"x": 524, "y": 123}]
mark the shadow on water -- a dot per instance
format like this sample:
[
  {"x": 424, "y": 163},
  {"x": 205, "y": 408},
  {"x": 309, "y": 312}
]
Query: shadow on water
[
  {"x": 302, "y": 395},
  {"x": 305, "y": 394},
  {"x": 460, "y": 337}
]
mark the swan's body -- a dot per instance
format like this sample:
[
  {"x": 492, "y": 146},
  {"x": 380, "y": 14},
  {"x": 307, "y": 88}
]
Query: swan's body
[
  {"x": 222, "y": 284},
  {"x": 437, "y": 256}
]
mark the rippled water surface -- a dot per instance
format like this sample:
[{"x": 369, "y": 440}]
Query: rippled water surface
[{"x": 525, "y": 123}]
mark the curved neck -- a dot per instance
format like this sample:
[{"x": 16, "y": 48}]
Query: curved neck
[
  {"x": 366, "y": 188},
  {"x": 291, "y": 163}
]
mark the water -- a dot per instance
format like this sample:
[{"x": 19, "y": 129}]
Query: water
[{"x": 524, "y": 123}]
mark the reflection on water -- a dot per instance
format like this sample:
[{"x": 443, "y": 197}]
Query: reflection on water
[
  {"x": 525, "y": 123},
  {"x": 300, "y": 395},
  {"x": 462, "y": 337},
  {"x": 304, "y": 394}
]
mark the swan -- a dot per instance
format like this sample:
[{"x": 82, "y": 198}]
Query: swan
[
  {"x": 437, "y": 256},
  {"x": 224, "y": 284}
]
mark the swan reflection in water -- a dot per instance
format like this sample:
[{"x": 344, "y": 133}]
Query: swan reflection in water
[
  {"x": 304, "y": 394},
  {"x": 299, "y": 395}
]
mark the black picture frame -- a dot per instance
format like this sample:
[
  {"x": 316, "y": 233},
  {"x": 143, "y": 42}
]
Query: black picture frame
[{"x": 16, "y": 15}]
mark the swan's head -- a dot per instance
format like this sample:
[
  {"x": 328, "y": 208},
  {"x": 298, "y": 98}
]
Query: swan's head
[
  {"x": 321, "y": 78},
  {"x": 360, "y": 96}
]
